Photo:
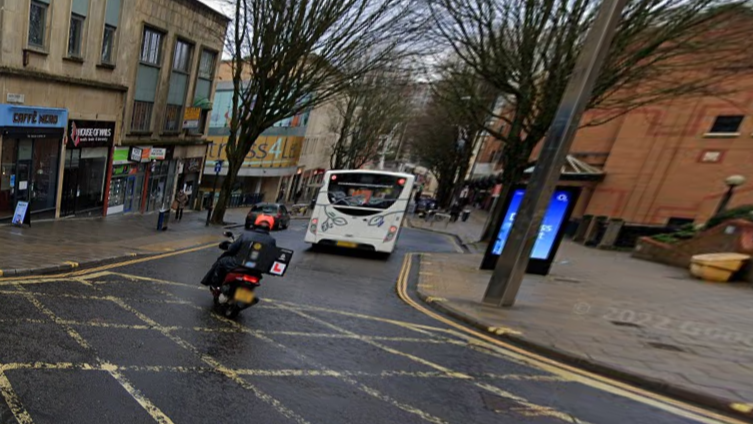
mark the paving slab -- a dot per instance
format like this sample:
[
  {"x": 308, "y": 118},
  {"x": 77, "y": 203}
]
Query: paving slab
[
  {"x": 64, "y": 244},
  {"x": 648, "y": 323}
]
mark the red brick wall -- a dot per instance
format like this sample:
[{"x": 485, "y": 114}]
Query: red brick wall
[{"x": 653, "y": 171}]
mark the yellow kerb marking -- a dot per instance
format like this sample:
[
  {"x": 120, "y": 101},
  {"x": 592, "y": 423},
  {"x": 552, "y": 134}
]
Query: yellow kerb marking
[
  {"x": 71, "y": 263},
  {"x": 566, "y": 371},
  {"x": 745, "y": 408}
]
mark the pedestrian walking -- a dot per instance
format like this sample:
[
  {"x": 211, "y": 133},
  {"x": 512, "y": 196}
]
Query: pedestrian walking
[
  {"x": 455, "y": 211},
  {"x": 181, "y": 199}
]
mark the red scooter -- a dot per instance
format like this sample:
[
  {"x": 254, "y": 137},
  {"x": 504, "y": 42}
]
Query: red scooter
[{"x": 238, "y": 290}]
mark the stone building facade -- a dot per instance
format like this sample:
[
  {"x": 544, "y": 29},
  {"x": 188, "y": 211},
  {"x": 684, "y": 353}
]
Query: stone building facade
[{"x": 94, "y": 96}]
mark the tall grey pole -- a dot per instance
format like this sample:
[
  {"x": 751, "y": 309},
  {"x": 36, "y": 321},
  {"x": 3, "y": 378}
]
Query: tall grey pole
[{"x": 512, "y": 263}]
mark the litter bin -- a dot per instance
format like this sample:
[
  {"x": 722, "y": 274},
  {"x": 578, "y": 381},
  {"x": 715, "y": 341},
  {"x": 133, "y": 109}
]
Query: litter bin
[
  {"x": 464, "y": 216},
  {"x": 162, "y": 218}
]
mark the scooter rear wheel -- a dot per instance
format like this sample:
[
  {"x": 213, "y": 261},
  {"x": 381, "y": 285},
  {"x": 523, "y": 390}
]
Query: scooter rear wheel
[{"x": 231, "y": 311}]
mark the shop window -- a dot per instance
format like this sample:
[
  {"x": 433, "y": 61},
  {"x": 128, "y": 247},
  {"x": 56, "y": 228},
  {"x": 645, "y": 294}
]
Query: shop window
[
  {"x": 75, "y": 36},
  {"x": 142, "y": 116},
  {"x": 726, "y": 124},
  {"x": 37, "y": 24}
]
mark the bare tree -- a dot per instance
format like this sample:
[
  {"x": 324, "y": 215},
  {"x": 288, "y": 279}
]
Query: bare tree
[
  {"x": 290, "y": 56},
  {"x": 444, "y": 137},
  {"x": 367, "y": 114},
  {"x": 526, "y": 51}
]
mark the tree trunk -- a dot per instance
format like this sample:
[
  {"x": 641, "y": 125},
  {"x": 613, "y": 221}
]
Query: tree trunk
[{"x": 234, "y": 165}]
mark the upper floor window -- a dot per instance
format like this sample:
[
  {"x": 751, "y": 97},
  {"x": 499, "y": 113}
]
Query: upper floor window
[
  {"x": 75, "y": 36},
  {"x": 726, "y": 124},
  {"x": 112, "y": 20},
  {"x": 182, "y": 57},
  {"x": 37, "y": 23},
  {"x": 206, "y": 64},
  {"x": 108, "y": 45},
  {"x": 151, "y": 47}
]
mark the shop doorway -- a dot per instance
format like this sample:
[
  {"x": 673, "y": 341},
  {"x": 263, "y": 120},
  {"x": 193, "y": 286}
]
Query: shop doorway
[
  {"x": 84, "y": 181},
  {"x": 29, "y": 174}
]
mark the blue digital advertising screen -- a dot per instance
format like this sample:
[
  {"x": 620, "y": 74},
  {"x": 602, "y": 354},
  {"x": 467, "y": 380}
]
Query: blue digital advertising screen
[{"x": 554, "y": 218}]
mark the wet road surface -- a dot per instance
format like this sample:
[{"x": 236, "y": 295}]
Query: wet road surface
[{"x": 329, "y": 343}]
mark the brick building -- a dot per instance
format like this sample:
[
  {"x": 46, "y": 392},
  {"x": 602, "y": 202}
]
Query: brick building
[{"x": 662, "y": 162}]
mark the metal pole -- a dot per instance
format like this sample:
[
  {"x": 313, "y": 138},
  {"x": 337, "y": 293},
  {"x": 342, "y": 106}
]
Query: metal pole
[
  {"x": 725, "y": 200},
  {"x": 512, "y": 263},
  {"x": 211, "y": 199}
]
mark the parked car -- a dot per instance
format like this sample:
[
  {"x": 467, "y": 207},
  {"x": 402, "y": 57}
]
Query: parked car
[{"x": 278, "y": 211}]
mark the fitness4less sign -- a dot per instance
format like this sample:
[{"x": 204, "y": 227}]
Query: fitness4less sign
[{"x": 267, "y": 152}]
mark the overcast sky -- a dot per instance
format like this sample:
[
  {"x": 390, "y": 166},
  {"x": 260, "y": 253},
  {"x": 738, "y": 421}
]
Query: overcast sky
[{"x": 216, "y": 4}]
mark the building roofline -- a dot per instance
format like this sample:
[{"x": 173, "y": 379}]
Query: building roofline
[{"x": 207, "y": 8}]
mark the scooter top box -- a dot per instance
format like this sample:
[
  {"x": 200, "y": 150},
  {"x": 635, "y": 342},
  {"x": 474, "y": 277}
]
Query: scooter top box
[{"x": 268, "y": 259}]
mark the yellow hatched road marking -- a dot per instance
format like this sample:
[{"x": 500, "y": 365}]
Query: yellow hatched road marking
[
  {"x": 13, "y": 402},
  {"x": 145, "y": 403},
  {"x": 529, "y": 408},
  {"x": 217, "y": 366},
  {"x": 566, "y": 371}
]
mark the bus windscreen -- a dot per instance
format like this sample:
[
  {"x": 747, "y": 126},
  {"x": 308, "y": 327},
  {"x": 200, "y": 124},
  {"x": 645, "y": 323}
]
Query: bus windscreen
[{"x": 364, "y": 190}]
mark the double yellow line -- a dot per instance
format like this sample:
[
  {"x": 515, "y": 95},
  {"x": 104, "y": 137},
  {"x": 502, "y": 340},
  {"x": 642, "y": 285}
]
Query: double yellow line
[{"x": 565, "y": 371}]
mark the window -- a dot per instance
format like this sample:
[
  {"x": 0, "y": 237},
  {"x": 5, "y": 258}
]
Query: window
[
  {"x": 37, "y": 24},
  {"x": 151, "y": 46},
  {"x": 373, "y": 191},
  {"x": 726, "y": 124},
  {"x": 108, "y": 45},
  {"x": 206, "y": 64},
  {"x": 173, "y": 118},
  {"x": 142, "y": 116},
  {"x": 75, "y": 35},
  {"x": 182, "y": 57}
]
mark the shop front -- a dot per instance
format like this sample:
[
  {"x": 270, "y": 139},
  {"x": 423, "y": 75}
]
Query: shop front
[
  {"x": 142, "y": 179},
  {"x": 30, "y": 146},
  {"x": 189, "y": 171},
  {"x": 85, "y": 171}
]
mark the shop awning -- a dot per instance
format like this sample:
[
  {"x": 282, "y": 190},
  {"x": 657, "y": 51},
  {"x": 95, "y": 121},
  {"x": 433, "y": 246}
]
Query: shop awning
[{"x": 575, "y": 169}]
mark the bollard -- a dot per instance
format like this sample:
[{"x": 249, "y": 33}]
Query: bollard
[{"x": 162, "y": 218}]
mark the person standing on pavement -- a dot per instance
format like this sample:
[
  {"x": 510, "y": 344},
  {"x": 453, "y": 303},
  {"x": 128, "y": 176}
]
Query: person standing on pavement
[{"x": 181, "y": 199}]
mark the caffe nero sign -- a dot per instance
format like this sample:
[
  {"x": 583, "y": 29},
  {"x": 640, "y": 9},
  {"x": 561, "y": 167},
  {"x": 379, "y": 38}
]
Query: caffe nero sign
[{"x": 83, "y": 134}]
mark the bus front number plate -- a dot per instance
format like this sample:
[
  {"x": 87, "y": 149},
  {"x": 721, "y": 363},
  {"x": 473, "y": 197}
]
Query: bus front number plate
[{"x": 347, "y": 244}]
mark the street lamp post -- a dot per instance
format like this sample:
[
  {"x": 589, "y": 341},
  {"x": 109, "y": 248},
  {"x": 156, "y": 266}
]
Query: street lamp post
[
  {"x": 732, "y": 182},
  {"x": 210, "y": 207}
]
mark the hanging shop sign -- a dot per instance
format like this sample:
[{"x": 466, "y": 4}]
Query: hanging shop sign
[
  {"x": 191, "y": 118},
  {"x": 136, "y": 154},
  {"x": 82, "y": 134},
  {"x": 158, "y": 153}
]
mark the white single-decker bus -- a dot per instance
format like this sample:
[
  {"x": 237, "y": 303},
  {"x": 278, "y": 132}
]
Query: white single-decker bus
[{"x": 360, "y": 209}]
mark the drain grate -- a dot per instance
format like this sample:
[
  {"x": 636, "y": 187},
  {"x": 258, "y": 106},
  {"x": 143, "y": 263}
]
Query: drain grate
[
  {"x": 625, "y": 324},
  {"x": 665, "y": 346}
]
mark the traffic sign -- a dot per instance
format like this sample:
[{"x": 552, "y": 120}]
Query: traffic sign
[{"x": 218, "y": 167}]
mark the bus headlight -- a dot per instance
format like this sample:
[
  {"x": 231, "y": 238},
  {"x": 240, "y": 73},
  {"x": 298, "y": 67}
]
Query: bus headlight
[
  {"x": 313, "y": 225},
  {"x": 391, "y": 234}
]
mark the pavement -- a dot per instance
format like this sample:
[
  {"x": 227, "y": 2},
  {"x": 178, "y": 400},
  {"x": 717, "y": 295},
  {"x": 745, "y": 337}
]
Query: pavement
[
  {"x": 644, "y": 323},
  {"x": 64, "y": 244},
  {"x": 137, "y": 342}
]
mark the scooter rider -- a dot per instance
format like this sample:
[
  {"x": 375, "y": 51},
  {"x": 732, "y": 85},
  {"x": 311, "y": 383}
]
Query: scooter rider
[{"x": 239, "y": 249}]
